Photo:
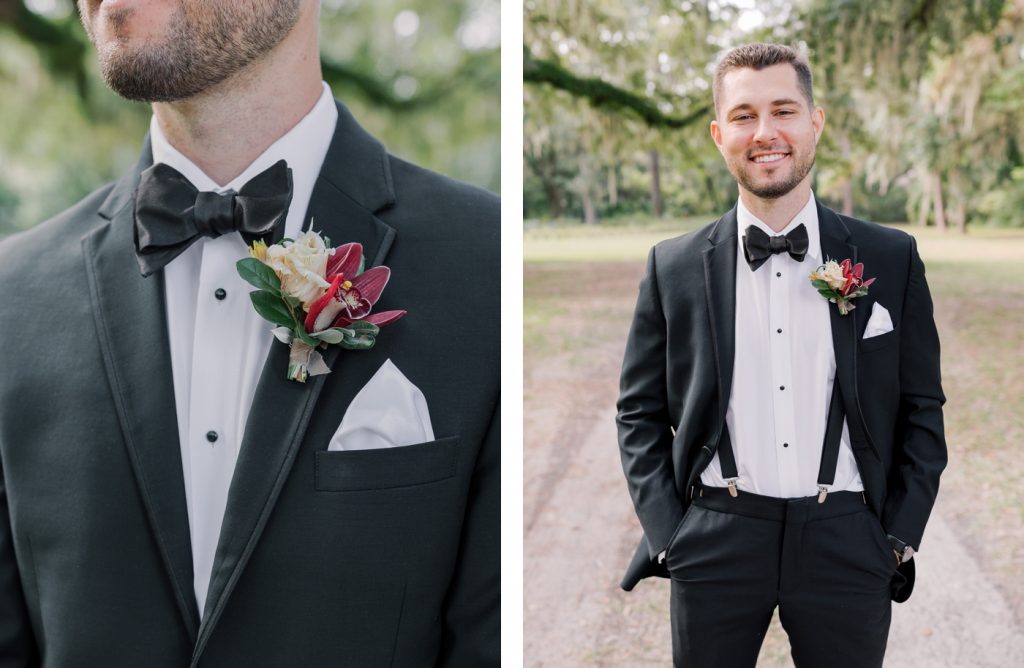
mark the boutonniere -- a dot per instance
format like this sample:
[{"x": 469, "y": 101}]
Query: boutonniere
[
  {"x": 318, "y": 296},
  {"x": 839, "y": 282}
]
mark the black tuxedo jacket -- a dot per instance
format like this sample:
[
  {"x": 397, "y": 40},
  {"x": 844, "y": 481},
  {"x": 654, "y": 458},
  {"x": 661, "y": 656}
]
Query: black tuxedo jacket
[
  {"x": 678, "y": 368},
  {"x": 359, "y": 558}
]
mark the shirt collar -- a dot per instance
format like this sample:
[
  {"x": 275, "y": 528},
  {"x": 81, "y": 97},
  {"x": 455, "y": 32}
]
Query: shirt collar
[
  {"x": 304, "y": 148},
  {"x": 808, "y": 216}
]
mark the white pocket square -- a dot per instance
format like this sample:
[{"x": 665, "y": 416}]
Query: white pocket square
[
  {"x": 879, "y": 323},
  {"x": 388, "y": 412}
]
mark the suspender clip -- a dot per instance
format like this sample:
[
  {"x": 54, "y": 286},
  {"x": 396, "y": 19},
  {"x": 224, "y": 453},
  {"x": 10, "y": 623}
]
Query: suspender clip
[
  {"x": 732, "y": 487},
  {"x": 822, "y": 493}
]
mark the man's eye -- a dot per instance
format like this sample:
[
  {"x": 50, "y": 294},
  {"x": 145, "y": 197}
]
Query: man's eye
[{"x": 742, "y": 117}]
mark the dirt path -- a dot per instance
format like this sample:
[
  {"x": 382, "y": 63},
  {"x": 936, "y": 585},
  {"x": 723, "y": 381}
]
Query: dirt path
[{"x": 577, "y": 616}]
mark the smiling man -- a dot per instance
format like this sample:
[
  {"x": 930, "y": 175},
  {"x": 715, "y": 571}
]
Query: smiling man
[
  {"x": 171, "y": 494},
  {"x": 780, "y": 409}
]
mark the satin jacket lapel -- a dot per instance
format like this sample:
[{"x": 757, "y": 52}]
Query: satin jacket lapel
[
  {"x": 837, "y": 245},
  {"x": 354, "y": 182},
  {"x": 720, "y": 284},
  {"x": 131, "y": 325}
]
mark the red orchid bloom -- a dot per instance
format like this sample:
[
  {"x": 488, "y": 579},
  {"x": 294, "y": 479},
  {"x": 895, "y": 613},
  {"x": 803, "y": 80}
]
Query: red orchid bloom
[
  {"x": 854, "y": 276},
  {"x": 350, "y": 297}
]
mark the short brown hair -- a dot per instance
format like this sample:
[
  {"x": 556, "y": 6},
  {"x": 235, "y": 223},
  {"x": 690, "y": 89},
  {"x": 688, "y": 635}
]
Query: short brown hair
[{"x": 758, "y": 57}]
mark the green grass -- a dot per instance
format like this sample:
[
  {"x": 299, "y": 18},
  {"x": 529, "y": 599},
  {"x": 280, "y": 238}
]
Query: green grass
[
  {"x": 631, "y": 238},
  {"x": 623, "y": 240}
]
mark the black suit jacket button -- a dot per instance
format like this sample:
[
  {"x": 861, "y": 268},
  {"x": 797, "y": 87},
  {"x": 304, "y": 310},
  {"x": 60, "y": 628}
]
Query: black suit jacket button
[
  {"x": 211, "y": 436},
  {"x": 220, "y": 293}
]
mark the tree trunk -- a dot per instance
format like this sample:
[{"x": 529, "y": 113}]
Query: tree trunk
[
  {"x": 613, "y": 185},
  {"x": 544, "y": 165},
  {"x": 589, "y": 212},
  {"x": 848, "y": 198},
  {"x": 940, "y": 211},
  {"x": 709, "y": 185},
  {"x": 586, "y": 190},
  {"x": 925, "y": 206},
  {"x": 554, "y": 196},
  {"x": 847, "y": 152},
  {"x": 656, "y": 202},
  {"x": 957, "y": 203},
  {"x": 959, "y": 216}
]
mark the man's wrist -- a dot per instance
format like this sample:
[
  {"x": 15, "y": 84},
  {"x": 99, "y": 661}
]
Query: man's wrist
[{"x": 904, "y": 551}]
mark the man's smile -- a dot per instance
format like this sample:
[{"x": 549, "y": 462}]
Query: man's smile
[{"x": 769, "y": 157}]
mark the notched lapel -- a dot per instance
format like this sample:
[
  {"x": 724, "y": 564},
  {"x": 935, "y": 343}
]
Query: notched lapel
[
  {"x": 720, "y": 285},
  {"x": 131, "y": 325},
  {"x": 342, "y": 207}
]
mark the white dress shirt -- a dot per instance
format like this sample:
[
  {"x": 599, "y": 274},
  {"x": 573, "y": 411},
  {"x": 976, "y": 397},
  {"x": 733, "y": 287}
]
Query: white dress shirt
[
  {"x": 782, "y": 374},
  {"x": 218, "y": 345}
]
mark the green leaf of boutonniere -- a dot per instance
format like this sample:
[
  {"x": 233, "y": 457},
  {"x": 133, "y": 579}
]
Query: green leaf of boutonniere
[
  {"x": 358, "y": 342},
  {"x": 360, "y": 335},
  {"x": 271, "y": 307},
  {"x": 300, "y": 333},
  {"x": 259, "y": 275},
  {"x": 363, "y": 328},
  {"x": 333, "y": 335}
]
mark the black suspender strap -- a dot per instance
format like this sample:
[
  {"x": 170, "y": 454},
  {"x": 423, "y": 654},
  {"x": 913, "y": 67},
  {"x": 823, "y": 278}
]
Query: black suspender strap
[
  {"x": 727, "y": 461},
  {"x": 830, "y": 446}
]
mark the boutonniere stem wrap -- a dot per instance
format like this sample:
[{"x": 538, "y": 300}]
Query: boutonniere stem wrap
[
  {"x": 841, "y": 282},
  {"x": 317, "y": 296}
]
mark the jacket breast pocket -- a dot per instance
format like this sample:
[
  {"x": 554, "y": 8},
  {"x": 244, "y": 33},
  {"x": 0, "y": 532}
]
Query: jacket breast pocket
[
  {"x": 386, "y": 468},
  {"x": 880, "y": 341}
]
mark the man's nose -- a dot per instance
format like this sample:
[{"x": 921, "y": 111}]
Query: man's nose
[{"x": 766, "y": 130}]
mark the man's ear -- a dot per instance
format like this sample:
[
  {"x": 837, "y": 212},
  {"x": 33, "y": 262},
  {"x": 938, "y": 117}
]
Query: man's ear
[
  {"x": 818, "y": 122},
  {"x": 716, "y": 134}
]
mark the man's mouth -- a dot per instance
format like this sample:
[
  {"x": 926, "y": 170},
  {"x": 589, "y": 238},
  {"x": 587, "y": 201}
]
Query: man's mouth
[{"x": 768, "y": 157}]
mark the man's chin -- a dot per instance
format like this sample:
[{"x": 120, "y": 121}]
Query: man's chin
[
  {"x": 773, "y": 192},
  {"x": 769, "y": 189}
]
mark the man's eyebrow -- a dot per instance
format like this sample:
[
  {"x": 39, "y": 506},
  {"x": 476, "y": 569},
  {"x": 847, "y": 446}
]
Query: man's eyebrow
[
  {"x": 746, "y": 106},
  {"x": 739, "y": 107}
]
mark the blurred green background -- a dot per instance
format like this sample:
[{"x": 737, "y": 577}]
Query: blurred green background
[
  {"x": 423, "y": 76},
  {"x": 922, "y": 100}
]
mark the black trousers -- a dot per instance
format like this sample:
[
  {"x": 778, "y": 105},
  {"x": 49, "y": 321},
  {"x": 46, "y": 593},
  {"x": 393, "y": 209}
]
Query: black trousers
[{"x": 827, "y": 567}]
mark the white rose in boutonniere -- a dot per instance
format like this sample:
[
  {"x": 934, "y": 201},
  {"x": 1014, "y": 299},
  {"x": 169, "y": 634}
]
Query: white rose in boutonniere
[
  {"x": 832, "y": 274},
  {"x": 301, "y": 264}
]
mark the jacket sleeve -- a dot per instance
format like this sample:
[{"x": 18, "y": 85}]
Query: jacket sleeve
[
  {"x": 17, "y": 643},
  {"x": 472, "y": 614},
  {"x": 645, "y": 434},
  {"x": 920, "y": 452}
]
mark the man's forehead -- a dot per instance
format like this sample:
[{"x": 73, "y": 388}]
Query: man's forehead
[{"x": 745, "y": 85}]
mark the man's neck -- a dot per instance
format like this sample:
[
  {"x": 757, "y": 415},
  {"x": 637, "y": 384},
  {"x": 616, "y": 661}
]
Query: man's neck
[
  {"x": 777, "y": 213},
  {"x": 224, "y": 129}
]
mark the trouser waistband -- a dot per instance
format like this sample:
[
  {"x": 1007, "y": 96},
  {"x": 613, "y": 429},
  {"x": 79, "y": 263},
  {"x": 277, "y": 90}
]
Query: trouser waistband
[{"x": 779, "y": 510}]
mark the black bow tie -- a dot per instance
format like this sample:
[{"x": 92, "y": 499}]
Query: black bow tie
[
  {"x": 758, "y": 246},
  {"x": 170, "y": 214}
]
